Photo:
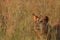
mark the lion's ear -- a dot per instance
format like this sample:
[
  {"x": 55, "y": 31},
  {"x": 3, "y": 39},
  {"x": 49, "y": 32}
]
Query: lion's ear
[{"x": 35, "y": 18}]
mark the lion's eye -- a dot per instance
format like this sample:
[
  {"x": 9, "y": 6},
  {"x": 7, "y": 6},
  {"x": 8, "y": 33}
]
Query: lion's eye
[{"x": 41, "y": 21}]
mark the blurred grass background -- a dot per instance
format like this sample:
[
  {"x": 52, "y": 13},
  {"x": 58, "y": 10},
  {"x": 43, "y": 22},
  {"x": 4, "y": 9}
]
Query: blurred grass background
[{"x": 16, "y": 17}]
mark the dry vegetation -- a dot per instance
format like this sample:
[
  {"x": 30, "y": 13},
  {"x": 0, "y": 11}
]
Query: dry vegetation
[{"x": 16, "y": 17}]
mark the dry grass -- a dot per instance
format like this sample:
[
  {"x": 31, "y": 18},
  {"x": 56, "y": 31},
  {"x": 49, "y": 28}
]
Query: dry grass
[{"x": 19, "y": 17}]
